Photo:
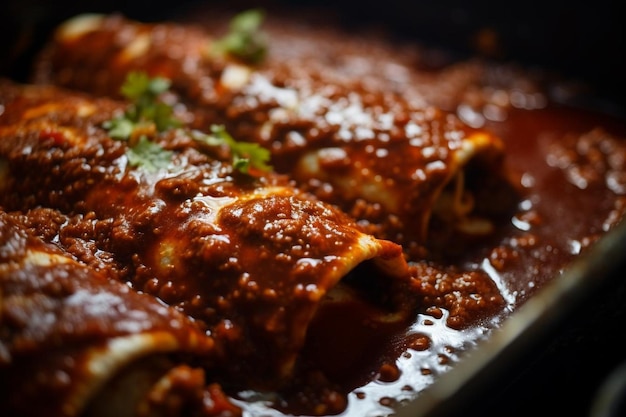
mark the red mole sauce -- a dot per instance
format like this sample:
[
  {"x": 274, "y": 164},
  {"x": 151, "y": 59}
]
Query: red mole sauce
[
  {"x": 58, "y": 316},
  {"x": 382, "y": 156},
  {"x": 566, "y": 168},
  {"x": 564, "y": 158}
]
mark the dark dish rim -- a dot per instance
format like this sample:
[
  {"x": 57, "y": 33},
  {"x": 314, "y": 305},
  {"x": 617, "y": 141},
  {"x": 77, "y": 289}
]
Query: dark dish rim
[{"x": 523, "y": 330}]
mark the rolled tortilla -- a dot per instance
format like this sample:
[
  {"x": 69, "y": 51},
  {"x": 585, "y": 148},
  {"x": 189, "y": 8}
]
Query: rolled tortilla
[
  {"x": 398, "y": 164},
  {"x": 251, "y": 258},
  {"x": 69, "y": 335}
]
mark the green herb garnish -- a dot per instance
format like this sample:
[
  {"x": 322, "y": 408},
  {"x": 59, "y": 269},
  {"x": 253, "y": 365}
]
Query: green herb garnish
[
  {"x": 148, "y": 115},
  {"x": 148, "y": 155},
  {"x": 244, "y": 154},
  {"x": 147, "y": 111},
  {"x": 245, "y": 40},
  {"x": 145, "y": 116}
]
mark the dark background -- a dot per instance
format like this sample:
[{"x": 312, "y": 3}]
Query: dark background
[
  {"x": 584, "y": 40},
  {"x": 561, "y": 372}
]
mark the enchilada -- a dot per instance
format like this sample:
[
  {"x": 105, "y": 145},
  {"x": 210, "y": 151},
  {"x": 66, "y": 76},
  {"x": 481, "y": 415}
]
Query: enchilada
[
  {"x": 75, "y": 342},
  {"x": 395, "y": 162},
  {"x": 249, "y": 257}
]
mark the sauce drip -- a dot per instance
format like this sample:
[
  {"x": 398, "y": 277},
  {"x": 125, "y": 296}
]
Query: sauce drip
[{"x": 567, "y": 166}]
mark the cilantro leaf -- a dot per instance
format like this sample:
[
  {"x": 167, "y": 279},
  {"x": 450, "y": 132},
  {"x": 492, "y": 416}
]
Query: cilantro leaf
[
  {"x": 119, "y": 127},
  {"x": 245, "y": 40},
  {"x": 244, "y": 154},
  {"x": 139, "y": 86},
  {"x": 149, "y": 155},
  {"x": 144, "y": 93},
  {"x": 147, "y": 115}
]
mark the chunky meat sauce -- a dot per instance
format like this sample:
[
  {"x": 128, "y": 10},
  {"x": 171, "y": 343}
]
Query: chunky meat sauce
[
  {"x": 382, "y": 156},
  {"x": 58, "y": 315},
  {"x": 413, "y": 210}
]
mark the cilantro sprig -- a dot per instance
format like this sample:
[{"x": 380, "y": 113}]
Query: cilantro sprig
[
  {"x": 244, "y": 154},
  {"x": 143, "y": 118},
  {"x": 245, "y": 39},
  {"x": 146, "y": 112},
  {"x": 148, "y": 115},
  {"x": 149, "y": 155}
]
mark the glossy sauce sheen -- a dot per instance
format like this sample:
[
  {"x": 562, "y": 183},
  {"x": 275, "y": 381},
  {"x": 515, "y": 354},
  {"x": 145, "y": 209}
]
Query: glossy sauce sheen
[
  {"x": 382, "y": 156},
  {"x": 568, "y": 170},
  {"x": 249, "y": 258},
  {"x": 61, "y": 319}
]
